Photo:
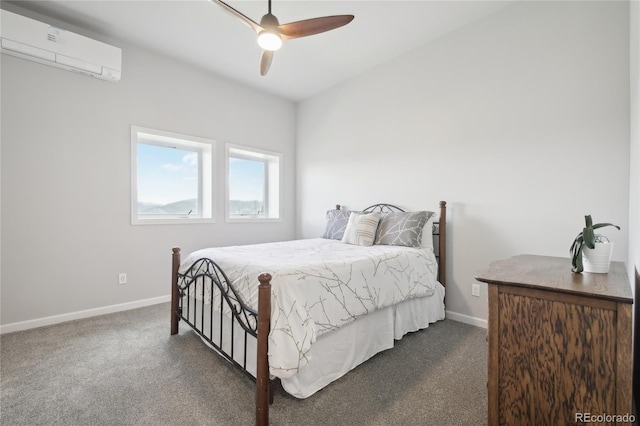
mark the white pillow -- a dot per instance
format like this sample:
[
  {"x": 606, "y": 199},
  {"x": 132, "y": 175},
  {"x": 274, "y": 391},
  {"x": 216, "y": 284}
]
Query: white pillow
[
  {"x": 361, "y": 228},
  {"x": 427, "y": 232}
]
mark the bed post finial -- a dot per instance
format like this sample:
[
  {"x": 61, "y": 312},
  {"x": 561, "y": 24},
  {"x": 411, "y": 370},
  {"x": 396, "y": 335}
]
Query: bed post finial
[
  {"x": 175, "y": 293},
  {"x": 262, "y": 367}
]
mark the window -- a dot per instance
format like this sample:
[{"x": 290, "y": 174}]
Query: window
[
  {"x": 253, "y": 184},
  {"x": 171, "y": 177}
]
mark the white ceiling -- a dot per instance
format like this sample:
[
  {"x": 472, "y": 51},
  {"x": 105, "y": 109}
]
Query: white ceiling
[{"x": 203, "y": 34}]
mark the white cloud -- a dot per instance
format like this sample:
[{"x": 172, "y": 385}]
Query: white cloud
[
  {"x": 171, "y": 167},
  {"x": 191, "y": 159}
]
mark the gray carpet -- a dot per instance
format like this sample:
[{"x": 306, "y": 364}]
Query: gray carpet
[{"x": 125, "y": 369}]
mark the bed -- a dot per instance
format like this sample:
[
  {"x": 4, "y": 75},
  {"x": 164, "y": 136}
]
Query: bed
[{"x": 322, "y": 306}]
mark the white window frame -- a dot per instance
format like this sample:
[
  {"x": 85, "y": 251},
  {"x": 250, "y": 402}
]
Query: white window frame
[
  {"x": 273, "y": 183},
  {"x": 206, "y": 160}
]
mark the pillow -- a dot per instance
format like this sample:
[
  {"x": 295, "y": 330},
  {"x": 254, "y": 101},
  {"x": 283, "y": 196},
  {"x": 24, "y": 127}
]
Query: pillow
[
  {"x": 336, "y": 224},
  {"x": 427, "y": 233},
  {"x": 361, "y": 228},
  {"x": 402, "y": 228}
]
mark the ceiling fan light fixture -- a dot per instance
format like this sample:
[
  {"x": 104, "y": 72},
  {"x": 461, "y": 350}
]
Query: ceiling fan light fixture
[
  {"x": 271, "y": 33},
  {"x": 269, "y": 40}
]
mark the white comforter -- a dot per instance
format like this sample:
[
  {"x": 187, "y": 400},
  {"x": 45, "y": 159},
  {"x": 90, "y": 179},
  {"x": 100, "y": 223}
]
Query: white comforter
[{"x": 319, "y": 285}]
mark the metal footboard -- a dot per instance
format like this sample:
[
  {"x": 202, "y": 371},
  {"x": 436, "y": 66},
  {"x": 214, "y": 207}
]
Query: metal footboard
[
  {"x": 203, "y": 295},
  {"x": 213, "y": 309}
]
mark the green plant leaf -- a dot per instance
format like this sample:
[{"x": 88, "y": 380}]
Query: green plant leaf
[
  {"x": 589, "y": 237},
  {"x": 576, "y": 260},
  {"x": 576, "y": 252},
  {"x": 602, "y": 225},
  {"x": 576, "y": 242},
  {"x": 588, "y": 221}
]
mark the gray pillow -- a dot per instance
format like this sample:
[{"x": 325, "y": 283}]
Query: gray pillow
[
  {"x": 336, "y": 224},
  {"x": 402, "y": 228}
]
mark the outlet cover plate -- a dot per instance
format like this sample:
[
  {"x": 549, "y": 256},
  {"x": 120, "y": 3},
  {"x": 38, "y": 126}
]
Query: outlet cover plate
[{"x": 475, "y": 290}]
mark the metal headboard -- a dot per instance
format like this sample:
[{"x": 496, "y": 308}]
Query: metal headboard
[
  {"x": 383, "y": 208},
  {"x": 438, "y": 232}
]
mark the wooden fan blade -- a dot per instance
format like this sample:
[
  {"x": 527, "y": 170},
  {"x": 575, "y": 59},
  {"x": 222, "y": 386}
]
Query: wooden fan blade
[
  {"x": 248, "y": 21},
  {"x": 313, "y": 26},
  {"x": 265, "y": 61}
]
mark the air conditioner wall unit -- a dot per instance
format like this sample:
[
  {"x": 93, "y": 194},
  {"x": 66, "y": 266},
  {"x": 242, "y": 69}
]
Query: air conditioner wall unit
[{"x": 36, "y": 41}]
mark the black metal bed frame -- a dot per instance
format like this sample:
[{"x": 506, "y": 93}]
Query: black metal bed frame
[
  {"x": 188, "y": 301},
  {"x": 205, "y": 271}
]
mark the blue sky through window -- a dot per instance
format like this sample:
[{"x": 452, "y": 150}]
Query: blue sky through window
[
  {"x": 166, "y": 175},
  {"x": 246, "y": 179}
]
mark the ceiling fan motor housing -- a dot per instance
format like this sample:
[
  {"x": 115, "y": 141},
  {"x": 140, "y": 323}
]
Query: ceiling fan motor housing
[{"x": 269, "y": 21}]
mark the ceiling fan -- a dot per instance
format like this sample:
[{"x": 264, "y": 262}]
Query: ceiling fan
[{"x": 271, "y": 34}]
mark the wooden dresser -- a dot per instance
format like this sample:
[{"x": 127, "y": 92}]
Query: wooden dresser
[{"x": 559, "y": 342}]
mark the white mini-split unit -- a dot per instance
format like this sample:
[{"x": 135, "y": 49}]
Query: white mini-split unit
[{"x": 43, "y": 43}]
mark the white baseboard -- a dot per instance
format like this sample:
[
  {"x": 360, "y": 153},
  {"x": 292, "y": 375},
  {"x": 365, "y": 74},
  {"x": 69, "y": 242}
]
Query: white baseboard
[
  {"x": 55, "y": 319},
  {"x": 478, "y": 322}
]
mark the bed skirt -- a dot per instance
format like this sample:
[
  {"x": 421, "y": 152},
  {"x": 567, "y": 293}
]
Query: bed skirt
[{"x": 336, "y": 353}]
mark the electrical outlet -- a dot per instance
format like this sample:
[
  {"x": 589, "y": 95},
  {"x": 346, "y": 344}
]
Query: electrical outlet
[
  {"x": 475, "y": 290},
  {"x": 122, "y": 278}
]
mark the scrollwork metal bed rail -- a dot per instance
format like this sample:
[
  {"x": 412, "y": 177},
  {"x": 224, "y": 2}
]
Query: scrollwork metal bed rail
[
  {"x": 189, "y": 291},
  {"x": 205, "y": 284}
]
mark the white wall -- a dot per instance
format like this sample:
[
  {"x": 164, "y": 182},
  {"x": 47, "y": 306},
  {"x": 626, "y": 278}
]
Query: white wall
[
  {"x": 66, "y": 231},
  {"x": 497, "y": 118},
  {"x": 633, "y": 263},
  {"x": 520, "y": 121},
  {"x": 634, "y": 190}
]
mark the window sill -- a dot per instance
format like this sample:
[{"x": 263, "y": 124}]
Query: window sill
[
  {"x": 252, "y": 219},
  {"x": 175, "y": 221}
]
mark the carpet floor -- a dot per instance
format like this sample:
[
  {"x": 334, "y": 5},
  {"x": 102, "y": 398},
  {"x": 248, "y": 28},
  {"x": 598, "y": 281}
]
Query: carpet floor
[{"x": 125, "y": 369}]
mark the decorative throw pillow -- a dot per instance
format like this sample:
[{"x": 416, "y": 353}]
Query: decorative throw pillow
[
  {"x": 361, "y": 228},
  {"x": 402, "y": 228},
  {"x": 427, "y": 233},
  {"x": 336, "y": 224}
]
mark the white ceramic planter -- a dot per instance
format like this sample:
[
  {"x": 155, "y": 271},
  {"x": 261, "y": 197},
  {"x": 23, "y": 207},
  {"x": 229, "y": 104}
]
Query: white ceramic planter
[{"x": 597, "y": 260}]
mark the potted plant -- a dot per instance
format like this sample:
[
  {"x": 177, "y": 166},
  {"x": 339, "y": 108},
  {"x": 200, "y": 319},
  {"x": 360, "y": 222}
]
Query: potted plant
[{"x": 591, "y": 252}]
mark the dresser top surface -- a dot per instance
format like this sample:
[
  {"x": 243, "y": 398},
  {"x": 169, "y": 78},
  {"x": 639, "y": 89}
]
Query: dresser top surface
[{"x": 554, "y": 274}]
